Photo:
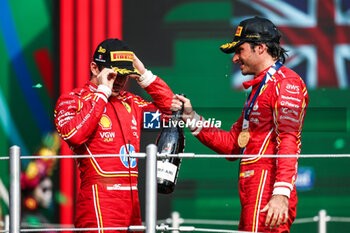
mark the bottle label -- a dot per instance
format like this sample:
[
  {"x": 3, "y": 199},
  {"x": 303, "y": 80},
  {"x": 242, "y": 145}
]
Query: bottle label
[{"x": 166, "y": 171}]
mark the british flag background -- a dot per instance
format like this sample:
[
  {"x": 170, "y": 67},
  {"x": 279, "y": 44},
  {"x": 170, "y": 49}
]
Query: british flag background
[{"x": 316, "y": 33}]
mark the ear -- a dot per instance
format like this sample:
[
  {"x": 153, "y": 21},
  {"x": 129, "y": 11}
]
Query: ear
[
  {"x": 262, "y": 48},
  {"x": 94, "y": 68}
]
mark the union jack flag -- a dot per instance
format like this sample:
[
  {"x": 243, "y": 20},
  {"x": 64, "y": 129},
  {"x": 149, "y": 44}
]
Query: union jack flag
[{"x": 316, "y": 33}]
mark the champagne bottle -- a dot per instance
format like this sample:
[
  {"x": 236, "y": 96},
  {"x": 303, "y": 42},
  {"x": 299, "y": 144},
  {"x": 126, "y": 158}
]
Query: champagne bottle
[{"x": 171, "y": 140}]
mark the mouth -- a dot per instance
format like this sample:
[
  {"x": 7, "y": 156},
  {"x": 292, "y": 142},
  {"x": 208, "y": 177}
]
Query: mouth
[
  {"x": 116, "y": 87},
  {"x": 119, "y": 84}
]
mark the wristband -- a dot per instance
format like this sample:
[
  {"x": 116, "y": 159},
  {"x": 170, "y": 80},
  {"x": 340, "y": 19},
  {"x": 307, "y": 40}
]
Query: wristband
[
  {"x": 146, "y": 79},
  {"x": 104, "y": 91}
]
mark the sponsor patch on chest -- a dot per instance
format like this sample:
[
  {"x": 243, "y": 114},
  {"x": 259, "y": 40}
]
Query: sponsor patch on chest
[
  {"x": 107, "y": 136},
  {"x": 246, "y": 174}
]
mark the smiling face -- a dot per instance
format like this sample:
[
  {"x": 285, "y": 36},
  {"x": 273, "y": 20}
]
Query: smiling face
[
  {"x": 247, "y": 58},
  {"x": 253, "y": 58}
]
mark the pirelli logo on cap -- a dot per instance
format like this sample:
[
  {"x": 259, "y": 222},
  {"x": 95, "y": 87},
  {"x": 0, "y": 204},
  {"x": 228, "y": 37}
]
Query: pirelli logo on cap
[
  {"x": 239, "y": 31},
  {"x": 122, "y": 56}
]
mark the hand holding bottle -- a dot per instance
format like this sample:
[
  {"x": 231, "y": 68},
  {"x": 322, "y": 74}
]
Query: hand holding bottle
[
  {"x": 177, "y": 103},
  {"x": 171, "y": 140}
]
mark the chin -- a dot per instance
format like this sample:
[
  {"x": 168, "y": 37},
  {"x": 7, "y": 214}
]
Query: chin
[
  {"x": 115, "y": 93},
  {"x": 244, "y": 72}
]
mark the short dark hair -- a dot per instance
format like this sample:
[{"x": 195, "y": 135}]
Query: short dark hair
[
  {"x": 99, "y": 66},
  {"x": 277, "y": 51},
  {"x": 274, "y": 49}
]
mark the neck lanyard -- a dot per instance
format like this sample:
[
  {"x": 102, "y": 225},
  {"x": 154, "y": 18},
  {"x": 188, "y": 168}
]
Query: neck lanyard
[{"x": 247, "y": 109}]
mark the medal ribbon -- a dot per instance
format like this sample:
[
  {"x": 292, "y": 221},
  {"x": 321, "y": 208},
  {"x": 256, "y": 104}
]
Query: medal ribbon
[{"x": 247, "y": 109}]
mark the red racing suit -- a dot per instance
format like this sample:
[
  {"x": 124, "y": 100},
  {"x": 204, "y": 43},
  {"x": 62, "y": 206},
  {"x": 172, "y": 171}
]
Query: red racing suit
[
  {"x": 92, "y": 124},
  {"x": 275, "y": 125}
]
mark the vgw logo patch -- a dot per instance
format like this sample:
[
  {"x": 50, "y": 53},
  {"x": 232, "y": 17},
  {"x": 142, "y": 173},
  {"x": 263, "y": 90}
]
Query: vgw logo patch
[{"x": 151, "y": 120}]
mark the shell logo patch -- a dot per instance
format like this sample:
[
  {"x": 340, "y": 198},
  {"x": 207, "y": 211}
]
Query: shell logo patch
[
  {"x": 105, "y": 122},
  {"x": 127, "y": 106},
  {"x": 239, "y": 31},
  {"x": 122, "y": 56}
]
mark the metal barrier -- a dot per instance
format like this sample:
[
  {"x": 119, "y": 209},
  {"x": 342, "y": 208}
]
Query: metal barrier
[
  {"x": 15, "y": 192},
  {"x": 322, "y": 218},
  {"x": 15, "y": 189},
  {"x": 151, "y": 196},
  {"x": 151, "y": 188}
]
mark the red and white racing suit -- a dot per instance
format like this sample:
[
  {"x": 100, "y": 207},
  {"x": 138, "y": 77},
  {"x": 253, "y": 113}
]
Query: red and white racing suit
[
  {"x": 92, "y": 124},
  {"x": 275, "y": 125}
]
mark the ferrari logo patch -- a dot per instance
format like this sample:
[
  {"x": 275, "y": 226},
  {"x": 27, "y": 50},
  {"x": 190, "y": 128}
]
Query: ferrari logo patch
[
  {"x": 127, "y": 106},
  {"x": 239, "y": 31}
]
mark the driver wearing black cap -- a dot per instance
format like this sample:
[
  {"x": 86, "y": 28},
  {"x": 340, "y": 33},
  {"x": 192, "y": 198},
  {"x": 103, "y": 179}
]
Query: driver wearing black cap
[
  {"x": 271, "y": 123},
  {"x": 102, "y": 118}
]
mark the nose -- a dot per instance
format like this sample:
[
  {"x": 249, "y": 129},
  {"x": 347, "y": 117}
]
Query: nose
[
  {"x": 235, "y": 58},
  {"x": 120, "y": 79}
]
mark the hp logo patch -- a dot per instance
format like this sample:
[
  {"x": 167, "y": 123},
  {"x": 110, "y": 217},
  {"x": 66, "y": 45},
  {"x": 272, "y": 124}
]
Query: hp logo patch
[
  {"x": 151, "y": 120},
  {"x": 306, "y": 178},
  {"x": 124, "y": 159}
]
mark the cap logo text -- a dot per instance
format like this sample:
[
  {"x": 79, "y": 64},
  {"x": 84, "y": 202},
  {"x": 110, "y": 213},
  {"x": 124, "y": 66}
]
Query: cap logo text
[{"x": 122, "y": 56}]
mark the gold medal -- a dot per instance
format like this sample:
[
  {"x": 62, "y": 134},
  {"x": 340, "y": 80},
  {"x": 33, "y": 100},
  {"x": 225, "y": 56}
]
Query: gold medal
[{"x": 243, "y": 138}]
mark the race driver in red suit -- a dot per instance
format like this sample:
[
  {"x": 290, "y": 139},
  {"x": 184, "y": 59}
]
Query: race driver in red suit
[
  {"x": 274, "y": 117},
  {"x": 101, "y": 118}
]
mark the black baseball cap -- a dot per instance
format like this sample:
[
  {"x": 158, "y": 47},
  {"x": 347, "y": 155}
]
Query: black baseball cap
[
  {"x": 115, "y": 54},
  {"x": 255, "y": 29}
]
